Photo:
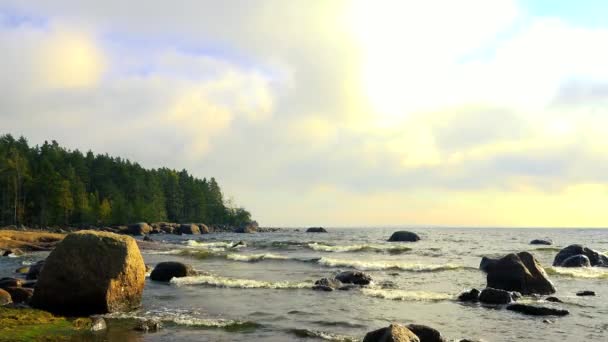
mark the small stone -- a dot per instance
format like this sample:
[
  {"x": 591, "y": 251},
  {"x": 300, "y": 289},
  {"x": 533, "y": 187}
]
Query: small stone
[
  {"x": 148, "y": 325},
  {"x": 98, "y": 323},
  {"x": 585, "y": 293}
]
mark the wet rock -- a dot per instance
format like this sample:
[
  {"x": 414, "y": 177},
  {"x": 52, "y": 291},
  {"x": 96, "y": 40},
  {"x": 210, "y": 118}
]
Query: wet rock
[
  {"x": 553, "y": 300},
  {"x": 190, "y": 229},
  {"x": 469, "y": 296},
  {"x": 392, "y": 333},
  {"x": 10, "y": 282},
  {"x": 541, "y": 242},
  {"x": 5, "y": 298},
  {"x": 164, "y": 271},
  {"x": 316, "y": 230},
  {"x": 247, "y": 229},
  {"x": 519, "y": 272},
  {"x": 147, "y": 238},
  {"x": 20, "y": 294},
  {"x": 12, "y": 252},
  {"x": 595, "y": 258},
  {"x": 354, "y": 277},
  {"x": 577, "y": 261},
  {"x": 148, "y": 325},
  {"x": 204, "y": 229},
  {"x": 98, "y": 324},
  {"x": 91, "y": 272},
  {"x": 426, "y": 333},
  {"x": 348, "y": 287},
  {"x": 326, "y": 284},
  {"x": 533, "y": 310},
  {"x": 140, "y": 228},
  {"x": 486, "y": 263},
  {"x": 35, "y": 270},
  {"x": 404, "y": 236},
  {"x": 585, "y": 293},
  {"x": 495, "y": 296}
]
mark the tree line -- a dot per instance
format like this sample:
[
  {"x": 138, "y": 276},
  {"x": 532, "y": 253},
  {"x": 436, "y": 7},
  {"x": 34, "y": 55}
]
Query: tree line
[{"x": 50, "y": 185}]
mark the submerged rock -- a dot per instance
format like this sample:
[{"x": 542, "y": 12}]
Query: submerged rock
[
  {"x": 316, "y": 230},
  {"x": 22, "y": 270},
  {"x": 585, "y": 293},
  {"x": 541, "y": 242},
  {"x": 469, "y": 296},
  {"x": 354, "y": 277},
  {"x": 577, "y": 261},
  {"x": 404, "y": 236},
  {"x": 595, "y": 258},
  {"x": 140, "y": 228},
  {"x": 495, "y": 296},
  {"x": 426, "y": 333},
  {"x": 392, "y": 333},
  {"x": 91, "y": 272},
  {"x": 164, "y": 271},
  {"x": 537, "y": 310},
  {"x": 519, "y": 272}
]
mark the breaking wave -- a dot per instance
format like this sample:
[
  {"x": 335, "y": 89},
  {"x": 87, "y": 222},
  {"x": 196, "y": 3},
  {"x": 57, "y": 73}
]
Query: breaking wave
[
  {"x": 378, "y": 248},
  {"x": 307, "y": 333},
  {"x": 217, "y": 281},
  {"x": 387, "y": 265},
  {"x": 579, "y": 272},
  {"x": 407, "y": 295},
  {"x": 255, "y": 257}
]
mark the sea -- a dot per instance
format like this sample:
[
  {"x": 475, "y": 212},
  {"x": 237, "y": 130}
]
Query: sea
[{"x": 260, "y": 290}]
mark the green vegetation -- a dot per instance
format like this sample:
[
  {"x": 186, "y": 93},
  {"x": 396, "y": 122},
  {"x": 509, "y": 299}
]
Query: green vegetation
[
  {"x": 50, "y": 185},
  {"x": 35, "y": 325}
]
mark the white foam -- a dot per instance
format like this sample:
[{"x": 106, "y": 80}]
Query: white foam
[
  {"x": 357, "y": 247},
  {"x": 386, "y": 265},
  {"x": 579, "y": 272},
  {"x": 255, "y": 257},
  {"x": 407, "y": 295},
  {"x": 219, "y": 281}
]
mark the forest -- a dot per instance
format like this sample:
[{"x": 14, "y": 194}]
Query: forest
[{"x": 50, "y": 185}]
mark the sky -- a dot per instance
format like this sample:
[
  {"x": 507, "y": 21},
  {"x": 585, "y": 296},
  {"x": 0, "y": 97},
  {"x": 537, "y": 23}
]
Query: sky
[{"x": 332, "y": 113}]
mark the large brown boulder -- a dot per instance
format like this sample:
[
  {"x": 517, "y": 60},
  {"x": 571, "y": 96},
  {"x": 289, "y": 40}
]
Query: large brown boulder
[
  {"x": 5, "y": 297},
  {"x": 91, "y": 272},
  {"x": 204, "y": 229},
  {"x": 392, "y": 333},
  {"x": 141, "y": 228},
  {"x": 519, "y": 272},
  {"x": 188, "y": 229},
  {"x": 426, "y": 333}
]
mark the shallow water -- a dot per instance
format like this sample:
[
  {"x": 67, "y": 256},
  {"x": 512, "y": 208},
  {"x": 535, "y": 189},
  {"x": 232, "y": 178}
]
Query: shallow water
[{"x": 261, "y": 291}]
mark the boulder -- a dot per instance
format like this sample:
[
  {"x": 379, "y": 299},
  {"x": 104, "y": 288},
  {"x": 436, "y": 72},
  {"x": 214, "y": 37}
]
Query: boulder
[
  {"x": 141, "y": 228},
  {"x": 541, "y": 242},
  {"x": 469, "y": 296},
  {"x": 20, "y": 294},
  {"x": 316, "y": 230},
  {"x": 204, "y": 229},
  {"x": 519, "y": 272},
  {"x": 534, "y": 310},
  {"x": 595, "y": 258},
  {"x": 169, "y": 229},
  {"x": 354, "y": 277},
  {"x": 426, "y": 333},
  {"x": 10, "y": 282},
  {"x": 164, "y": 271},
  {"x": 392, "y": 333},
  {"x": 326, "y": 284},
  {"x": 486, "y": 263},
  {"x": 247, "y": 229},
  {"x": 585, "y": 293},
  {"x": 35, "y": 270},
  {"x": 579, "y": 260},
  {"x": 189, "y": 229},
  {"x": 5, "y": 298},
  {"x": 98, "y": 324},
  {"x": 495, "y": 296},
  {"x": 553, "y": 300},
  {"x": 91, "y": 272},
  {"x": 404, "y": 236},
  {"x": 148, "y": 325}
]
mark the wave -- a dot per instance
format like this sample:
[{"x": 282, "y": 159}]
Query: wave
[
  {"x": 386, "y": 265},
  {"x": 216, "y": 246},
  {"x": 378, "y": 248},
  {"x": 167, "y": 252},
  {"x": 255, "y": 257},
  {"x": 307, "y": 333},
  {"x": 219, "y": 281},
  {"x": 407, "y": 295},
  {"x": 579, "y": 272}
]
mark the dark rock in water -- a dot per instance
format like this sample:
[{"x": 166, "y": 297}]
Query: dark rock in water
[
  {"x": 495, "y": 296},
  {"x": 354, "y": 277},
  {"x": 316, "y": 230},
  {"x": 537, "y": 310},
  {"x": 469, "y": 296},
  {"x": 164, "y": 271},
  {"x": 147, "y": 238},
  {"x": 585, "y": 293},
  {"x": 577, "y": 261},
  {"x": 541, "y": 242},
  {"x": 189, "y": 229},
  {"x": 98, "y": 324},
  {"x": 425, "y": 333},
  {"x": 486, "y": 263},
  {"x": 148, "y": 325},
  {"x": 10, "y": 282},
  {"x": 204, "y": 229},
  {"x": 392, "y": 333},
  {"x": 331, "y": 283},
  {"x": 141, "y": 228},
  {"x": 248, "y": 229},
  {"x": 35, "y": 270},
  {"x": 20, "y": 294},
  {"x": 29, "y": 284},
  {"x": 91, "y": 272},
  {"x": 595, "y": 258},
  {"x": 322, "y": 288},
  {"x": 404, "y": 236},
  {"x": 519, "y": 272},
  {"x": 553, "y": 300},
  {"x": 236, "y": 244},
  {"x": 5, "y": 298}
]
